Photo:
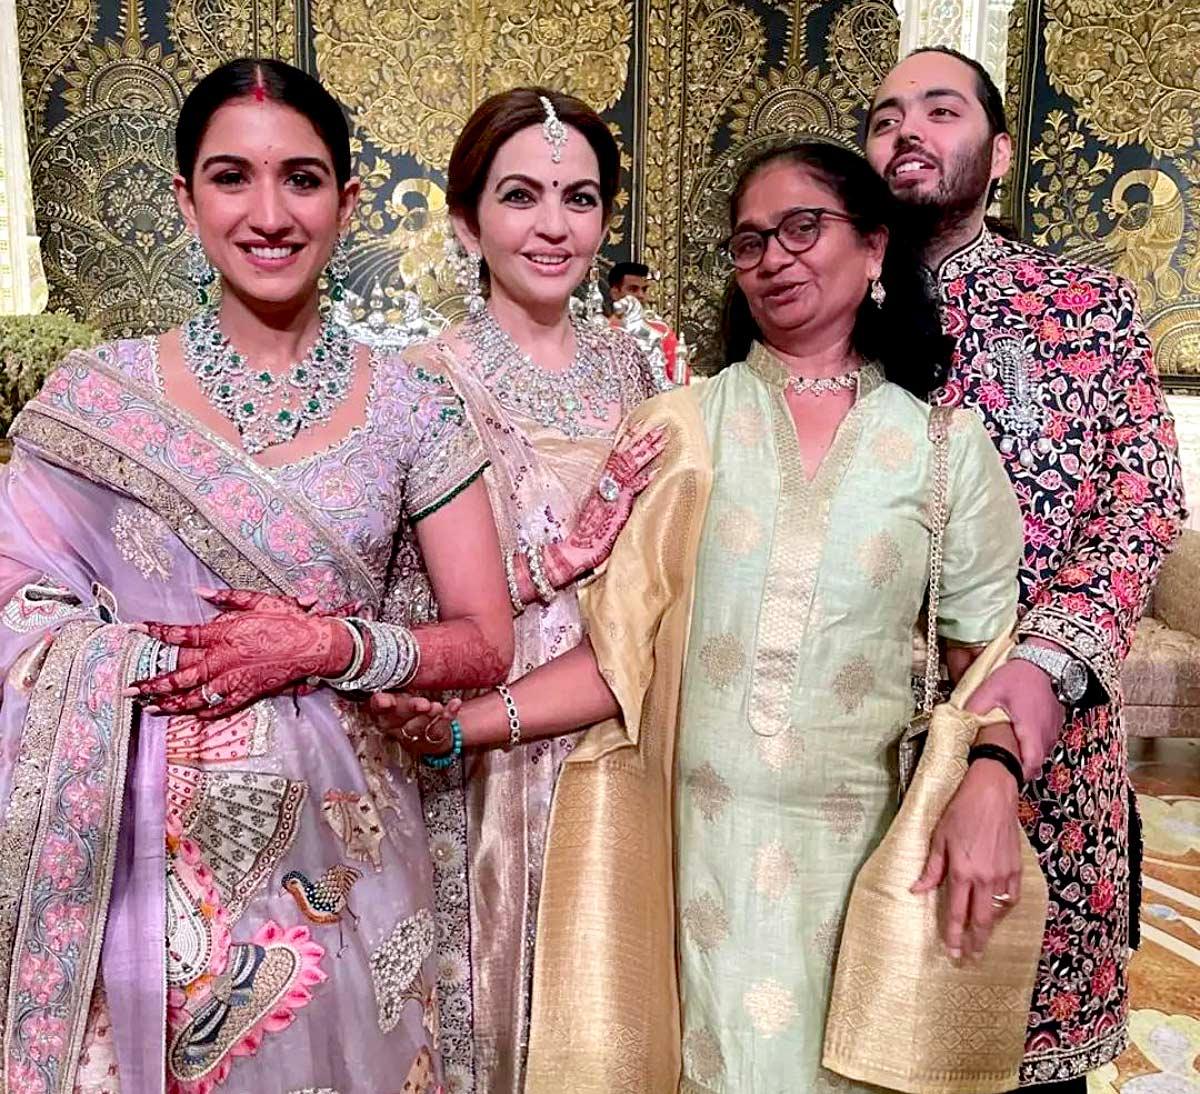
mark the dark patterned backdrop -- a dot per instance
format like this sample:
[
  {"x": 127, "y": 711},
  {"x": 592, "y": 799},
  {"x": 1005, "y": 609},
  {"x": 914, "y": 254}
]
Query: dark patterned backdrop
[
  {"x": 1105, "y": 94},
  {"x": 1106, "y": 99},
  {"x": 687, "y": 84}
]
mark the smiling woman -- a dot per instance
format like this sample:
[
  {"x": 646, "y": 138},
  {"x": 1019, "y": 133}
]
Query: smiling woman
[
  {"x": 532, "y": 182},
  {"x": 184, "y": 524}
]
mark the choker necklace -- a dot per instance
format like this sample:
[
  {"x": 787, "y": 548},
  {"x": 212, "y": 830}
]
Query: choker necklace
[
  {"x": 268, "y": 409},
  {"x": 824, "y": 385},
  {"x": 555, "y": 399}
]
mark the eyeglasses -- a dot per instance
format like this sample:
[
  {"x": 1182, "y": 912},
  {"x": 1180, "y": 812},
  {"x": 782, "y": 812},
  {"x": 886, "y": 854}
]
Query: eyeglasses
[{"x": 797, "y": 232}]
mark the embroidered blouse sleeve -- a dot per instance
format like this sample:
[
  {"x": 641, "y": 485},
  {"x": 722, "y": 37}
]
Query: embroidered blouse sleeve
[
  {"x": 1092, "y": 605},
  {"x": 447, "y": 455},
  {"x": 981, "y": 551}
]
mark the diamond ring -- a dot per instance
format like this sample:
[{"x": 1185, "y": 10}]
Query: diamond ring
[
  {"x": 212, "y": 698},
  {"x": 608, "y": 488}
]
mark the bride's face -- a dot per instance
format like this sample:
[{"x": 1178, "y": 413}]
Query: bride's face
[
  {"x": 265, "y": 201},
  {"x": 540, "y": 223}
]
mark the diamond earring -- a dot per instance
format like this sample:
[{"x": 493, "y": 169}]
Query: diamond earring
[
  {"x": 878, "y": 293},
  {"x": 200, "y": 271},
  {"x": 338, "y": 271},
  {"x": 467, "y": 268},
  {"x": 593, "y": 301}
]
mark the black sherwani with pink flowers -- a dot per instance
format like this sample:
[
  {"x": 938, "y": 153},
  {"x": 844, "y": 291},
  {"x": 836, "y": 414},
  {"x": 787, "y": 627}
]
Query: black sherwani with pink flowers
[{"x": 1055, "y": 359}]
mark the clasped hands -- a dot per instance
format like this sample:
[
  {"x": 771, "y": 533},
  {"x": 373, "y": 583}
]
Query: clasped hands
[{"x": 259, "y": 646}]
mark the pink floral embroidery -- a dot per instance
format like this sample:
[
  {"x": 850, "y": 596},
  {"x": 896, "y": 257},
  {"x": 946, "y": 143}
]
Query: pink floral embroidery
[
  {"x": 992, "y": 395},
  {"x": 1084, "y": 365},
  {"x": 1102, "y": 895},
  {"x": 62, "y": 862},
  {"x": 41, "y": 977},
  {"x": 1038, "y": 532},
  {"x": 43, "y": 1035},
  {"x": 954, "y": 321},
  {"x": 1028, "y": 303},
  {"x": 289, "y": 538},
  {"x": 24, "y": 1078},
  {"x": 1126, "y": 587},
  {"x": 1077, "y": 298},
  {"x": 80, "y": 748},
  {"x": 1028, "y": 273},
  {"x": 65, "y": 925},
  {"x": 97, "y": 394},
  {"x": 85, "y": 803},
  {"x": 1131, "y": 487},
  {"x": 238, "y": 501},
  {"x": 1051, "y": 331},
  {"x": 139, "y": 430},
  {"x": 193, "y": 455}
]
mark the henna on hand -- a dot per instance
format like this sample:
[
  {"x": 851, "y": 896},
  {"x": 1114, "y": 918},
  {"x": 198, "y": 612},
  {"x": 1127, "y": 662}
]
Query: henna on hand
[
  {"x": 456, "y": 654},
  {"x": 600, "y": 520},
  {"x": 258, "y": 647}
]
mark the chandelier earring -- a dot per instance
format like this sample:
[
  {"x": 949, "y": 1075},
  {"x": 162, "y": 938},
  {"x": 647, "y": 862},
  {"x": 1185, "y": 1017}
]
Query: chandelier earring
[
  {"x": 200, "y": 272},
  {"x": 878, "y": 292},
  {"x": 337, "y": 273},
  {"x": 593, "y": 301},
  {"x": 467, "y": 268}
]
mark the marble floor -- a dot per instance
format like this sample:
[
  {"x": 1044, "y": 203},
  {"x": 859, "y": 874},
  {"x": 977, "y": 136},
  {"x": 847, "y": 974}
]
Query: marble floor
[{"x": 1164, "y": 1027}]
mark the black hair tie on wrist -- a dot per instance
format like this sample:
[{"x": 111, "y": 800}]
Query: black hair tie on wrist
[{"x": 1000, "y": 754}]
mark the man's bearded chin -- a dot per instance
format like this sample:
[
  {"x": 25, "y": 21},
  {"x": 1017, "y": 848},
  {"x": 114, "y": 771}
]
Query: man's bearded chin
[{"x": 958, "y": 194}]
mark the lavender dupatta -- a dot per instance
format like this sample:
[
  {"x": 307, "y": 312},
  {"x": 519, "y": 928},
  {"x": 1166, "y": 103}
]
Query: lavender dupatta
[{"x": 114, "y": 509}]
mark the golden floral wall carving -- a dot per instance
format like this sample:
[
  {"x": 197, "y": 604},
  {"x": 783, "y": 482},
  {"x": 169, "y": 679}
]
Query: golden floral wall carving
[
  {"x": 692, "y": 88},
  {"x": 1107, "y": 107},
  {"x": 734, "y": 81},
  {"x": 413, "y": 70}
]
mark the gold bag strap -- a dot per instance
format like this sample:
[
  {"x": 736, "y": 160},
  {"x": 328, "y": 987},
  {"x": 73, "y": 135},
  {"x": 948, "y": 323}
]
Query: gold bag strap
[{"x": 939, "y": 434}]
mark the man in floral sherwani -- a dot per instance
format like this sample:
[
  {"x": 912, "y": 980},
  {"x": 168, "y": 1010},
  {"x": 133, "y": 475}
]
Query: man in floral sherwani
[{"x": 1055, "y": 359}]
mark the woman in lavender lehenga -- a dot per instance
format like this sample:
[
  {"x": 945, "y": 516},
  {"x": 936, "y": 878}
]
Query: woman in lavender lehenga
[
  {"x": 533, "y": 179},
  {"x": 214, "y": 873}
]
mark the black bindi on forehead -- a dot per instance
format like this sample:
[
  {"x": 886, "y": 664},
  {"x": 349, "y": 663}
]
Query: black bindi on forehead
[{"x": 555, "y": 184}]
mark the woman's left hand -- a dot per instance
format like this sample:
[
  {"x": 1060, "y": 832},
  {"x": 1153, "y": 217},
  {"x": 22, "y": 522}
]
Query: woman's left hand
[
  {"x": 259, "y": 646},
  {"x": 975, "y": 853},
  {"x": 421, "y": 725}
]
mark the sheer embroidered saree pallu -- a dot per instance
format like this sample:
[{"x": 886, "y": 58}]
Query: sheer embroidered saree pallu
[
  {"x": 170, "y": 890},
  {"x": 903, "y": 1015}
]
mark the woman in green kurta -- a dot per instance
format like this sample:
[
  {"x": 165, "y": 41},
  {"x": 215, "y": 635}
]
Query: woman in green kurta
[{"x": 751, "y": 645}]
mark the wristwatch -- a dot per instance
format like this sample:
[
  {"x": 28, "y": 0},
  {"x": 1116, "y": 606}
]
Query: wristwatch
[{"x": 1069, "y": 675}]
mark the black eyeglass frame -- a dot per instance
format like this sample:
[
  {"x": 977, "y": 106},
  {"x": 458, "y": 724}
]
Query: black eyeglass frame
[{"x": 765, "y": 234}]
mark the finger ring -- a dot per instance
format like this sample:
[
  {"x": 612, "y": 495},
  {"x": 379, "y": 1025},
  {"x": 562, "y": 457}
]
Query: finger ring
[
  {"x": 439, "y": 739},
  {"x": 212, "y": 698},
  {"x": 1001, "y": 900},
  {"x": 608, "y": 488}
]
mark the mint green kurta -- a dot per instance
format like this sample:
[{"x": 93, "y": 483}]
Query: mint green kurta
[{"x": 797, "y": 683}]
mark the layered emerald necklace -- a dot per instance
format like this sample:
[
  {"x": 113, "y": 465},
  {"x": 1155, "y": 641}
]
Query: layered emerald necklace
[{"x": 269, "y": 409}]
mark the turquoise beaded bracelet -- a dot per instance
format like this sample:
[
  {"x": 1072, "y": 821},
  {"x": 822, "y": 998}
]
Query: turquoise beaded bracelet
[{"x": 440, "y": 763}]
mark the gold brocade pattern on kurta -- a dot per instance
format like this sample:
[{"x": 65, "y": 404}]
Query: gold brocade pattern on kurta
[{"x": 612, "y": 844}]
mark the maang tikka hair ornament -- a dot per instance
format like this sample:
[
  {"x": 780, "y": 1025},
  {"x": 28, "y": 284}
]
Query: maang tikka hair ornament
[{"x": 553, "y": 130}]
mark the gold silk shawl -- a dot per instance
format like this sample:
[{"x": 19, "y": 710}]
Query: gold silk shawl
[
  {"x": 902, "y": 1014},
  {"x": 605, "y": 1012}
]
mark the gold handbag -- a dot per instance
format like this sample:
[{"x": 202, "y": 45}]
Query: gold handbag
[
  {"x": 902, "y": 1014},
  {"x": 913, "y": 736}
]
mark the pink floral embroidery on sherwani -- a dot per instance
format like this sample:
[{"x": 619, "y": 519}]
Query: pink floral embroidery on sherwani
[{"x": 1056, "y": 360}]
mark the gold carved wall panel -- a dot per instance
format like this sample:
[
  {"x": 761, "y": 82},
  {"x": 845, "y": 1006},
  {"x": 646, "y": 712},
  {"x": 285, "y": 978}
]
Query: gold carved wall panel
[
  {"x": 1107, "y": 109},
  {"x": 691, "y": 87}
]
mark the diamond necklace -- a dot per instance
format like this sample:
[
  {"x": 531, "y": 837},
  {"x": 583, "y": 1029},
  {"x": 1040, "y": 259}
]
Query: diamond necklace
[
  {"x": 268, "y": 409},
  {"x": 555, "y": 399},
  {"x": 824, "y": 385}
]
